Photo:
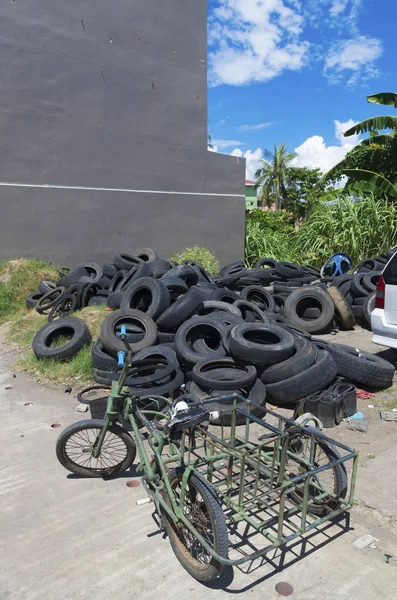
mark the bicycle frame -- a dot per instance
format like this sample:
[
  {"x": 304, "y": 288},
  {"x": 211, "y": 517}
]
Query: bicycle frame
[{"x": 235, "y": 488}]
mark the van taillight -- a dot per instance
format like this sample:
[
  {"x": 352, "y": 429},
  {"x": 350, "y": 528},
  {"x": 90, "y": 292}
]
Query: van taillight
[{"x": 380, "y": 293}]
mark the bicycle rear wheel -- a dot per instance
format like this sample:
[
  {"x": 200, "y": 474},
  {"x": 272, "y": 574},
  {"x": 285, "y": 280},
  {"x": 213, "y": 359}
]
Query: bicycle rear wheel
[
  {"x": 76, "y": 443},
  {"x": 203, "y": 510}
]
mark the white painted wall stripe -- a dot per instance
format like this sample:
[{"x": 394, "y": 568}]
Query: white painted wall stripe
[{"x": 124, "y": 190}]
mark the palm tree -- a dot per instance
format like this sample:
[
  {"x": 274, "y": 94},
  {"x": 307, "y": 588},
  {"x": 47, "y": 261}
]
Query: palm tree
[{"x": 272, "y": 176}]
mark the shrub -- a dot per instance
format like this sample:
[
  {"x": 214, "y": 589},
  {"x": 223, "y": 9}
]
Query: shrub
[
  {"x": 273, "y": 220},
  {"x": 199, "y": 255}
]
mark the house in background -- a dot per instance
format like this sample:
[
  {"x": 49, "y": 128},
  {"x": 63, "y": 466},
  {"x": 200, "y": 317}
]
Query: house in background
[{"x": 251, "y": 199}]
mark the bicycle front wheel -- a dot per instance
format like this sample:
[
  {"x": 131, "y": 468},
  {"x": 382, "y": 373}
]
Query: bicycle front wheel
[
  {"x": 203, "y": 510},
  {"x": 76, "y": 443}
]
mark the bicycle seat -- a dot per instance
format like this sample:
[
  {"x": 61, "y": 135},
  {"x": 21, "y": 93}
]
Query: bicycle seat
[{"x": 187, "y": 419}]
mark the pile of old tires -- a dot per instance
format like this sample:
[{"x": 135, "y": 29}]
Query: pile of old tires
[{"x": 247, "y": 330}]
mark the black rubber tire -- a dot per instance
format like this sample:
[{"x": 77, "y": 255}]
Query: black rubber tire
[
  {"x": 260, "y": 296},
  {"x": 303, "y": 298},
  {"x": 174, "y": 284},
  {"x": 289, "y": 270},
  {"x": 339, "y": 471},
  {"x": 279, "y": 302},
  {"x": 101, "y": 359},
  {"x": 186, "y": 306},
  {"x": 95, "y": 424},
  {"x": 63, "y": 308},
  {"x": 46, "y": 302},
  {"x": 341, "y": 280},
  {"x": 112, "y": 342},
  {"x": 168, "y": 387},
  {"x": 46, "y": 286},
  {"x": 357, "y": 312},
  {"x": 102, "y": 377},
  {"x": 133, "y": 275},
  {"x": 223, "y": 374},
  {"x": 251, "y": 312},
  {"x": 75, "y": 274},
  {"x": 104, "y": 282},
  {"x": 368, "y": 307},
  {"x": 116, "y": 280},
  {"x": 371, "y": 371},
  {"x": 213, "y": 306},
  {"x": 114, "y": 299},
  {"x": 360, "y": 301},
  {"x": 349, "y": 299},
  {"x": 315, "y": 378},
  {"x": 261, "y": 344},
  {"x": 158, "y": 351},
  {"x": 32, "y": 299},
  {"x": 214, "y": 514},
  {"x": 305, "y": 356},
  {"x": 342, "y": 307},
  {"x": 43, "y": 338},
  {"x": 311, "y": 313},
  {"x": 147, "y": 295},
  {"x": 125, "y": 262},
  {"x": 369, "y": 264},
  {"x": 255, "y": 394},
  {"x": 94, "y": 272},
  {"x": 267, "y": 263},
  {"x": 200, "y": 328},
  {"x": 147, "y": 254},
  {"x": 370, "y": 281},
  {"x": 224, "y": 295},
  {"x": 165, "y": 337},
  {"x": 109, "y": 270},
  {"x": 357, "y": 289},
  {"x": 189, "y": 275}
]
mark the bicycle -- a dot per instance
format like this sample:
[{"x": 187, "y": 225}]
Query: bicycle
[{"x": 193, "y": 472}]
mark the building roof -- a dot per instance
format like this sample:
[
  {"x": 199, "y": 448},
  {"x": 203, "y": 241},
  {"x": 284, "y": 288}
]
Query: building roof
[{"x": 249, "y": 182}]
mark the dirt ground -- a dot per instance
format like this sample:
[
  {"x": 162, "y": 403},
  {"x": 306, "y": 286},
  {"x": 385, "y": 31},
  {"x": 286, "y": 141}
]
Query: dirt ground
[{"x": 75, "y": 539}]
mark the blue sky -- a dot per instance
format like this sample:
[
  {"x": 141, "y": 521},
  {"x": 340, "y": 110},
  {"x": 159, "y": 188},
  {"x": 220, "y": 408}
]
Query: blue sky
[{"x": 296, "y": 71}]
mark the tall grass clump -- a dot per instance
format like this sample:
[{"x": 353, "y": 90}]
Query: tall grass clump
[
  {"x": 261, "y": 242},
  {"x": 363, "y": 228}
]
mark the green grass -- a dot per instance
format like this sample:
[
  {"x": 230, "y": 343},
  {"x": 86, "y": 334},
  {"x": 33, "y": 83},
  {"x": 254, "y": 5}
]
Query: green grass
[
  {"x": 22, "y": 331},
  {"x": 18, "y": 278},
  {"x": 363, "y": 229}
]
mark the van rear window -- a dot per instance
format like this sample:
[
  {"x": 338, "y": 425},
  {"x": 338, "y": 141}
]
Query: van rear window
[{"x": 390, "y": 272}]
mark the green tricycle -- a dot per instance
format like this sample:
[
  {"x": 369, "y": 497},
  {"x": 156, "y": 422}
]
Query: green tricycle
[{"x": 274, "y": 477}]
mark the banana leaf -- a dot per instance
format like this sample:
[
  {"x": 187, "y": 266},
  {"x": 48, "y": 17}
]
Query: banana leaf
[
  {"x": 378, "y": 123},
  {"x": 362, "y": 181},
  {"x": 385, "y": 98},
  {"x": 381, "y": 139}
]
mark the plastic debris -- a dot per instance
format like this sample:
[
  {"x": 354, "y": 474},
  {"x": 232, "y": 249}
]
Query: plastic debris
[
  {"x": 364, "y": 395},
  {"x": 360, "y": 424},
  {"x": 357, "y": 415},
  {"x": 82, "y": 408},
  {"x": 364, "y": 541},
  {"x": 371, "y": 406},
  {"x": 68, "y": 389}
]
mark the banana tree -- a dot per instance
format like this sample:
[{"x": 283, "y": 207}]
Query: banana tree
[
  {"x": 377, "y": 123},
  {"x": 361, "y": 181},
  {"x": 365, "y": 180}
]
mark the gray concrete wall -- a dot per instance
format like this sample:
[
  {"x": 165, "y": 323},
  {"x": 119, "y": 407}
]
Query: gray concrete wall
[{"x": 110, "y": 94}]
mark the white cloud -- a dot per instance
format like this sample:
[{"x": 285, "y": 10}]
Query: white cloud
[
  {"x": 337, "y": 7},
  {"x": 222, "y": 122},
  {"x": 355, "y": 58},
  {"x": 314, "y": 152},
  {"x": 254, "y": 127},
  {"x": 252, "y": 161},
  {"x": 222, "y": 144},
  {"x": 254, "y": 40}
]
